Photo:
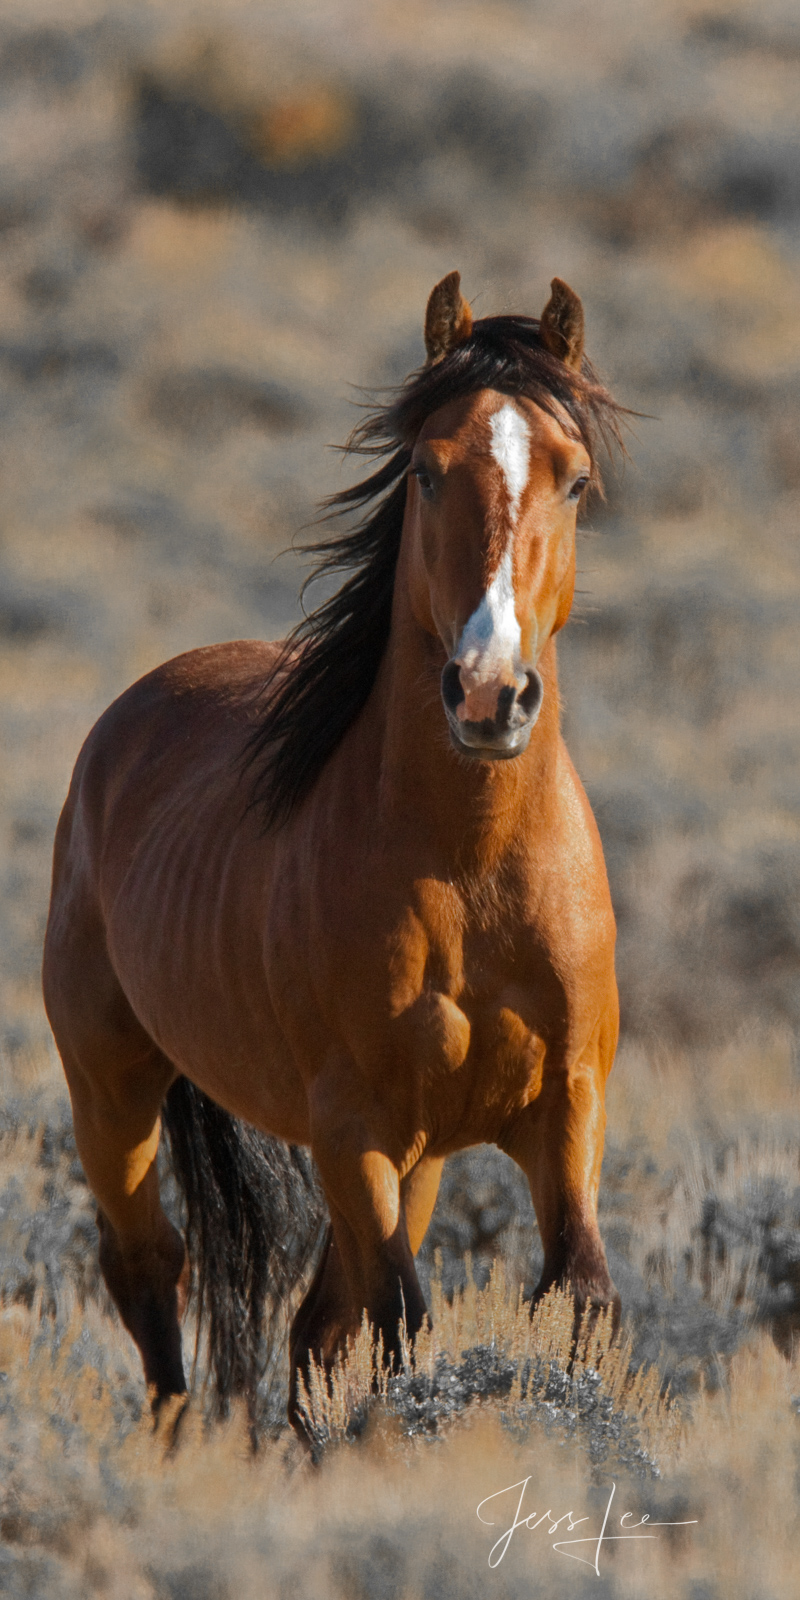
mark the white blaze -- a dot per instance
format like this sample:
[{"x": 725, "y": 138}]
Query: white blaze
[
  {"x": 511, "y": 449},
  {"x": 492, "y": 637}
]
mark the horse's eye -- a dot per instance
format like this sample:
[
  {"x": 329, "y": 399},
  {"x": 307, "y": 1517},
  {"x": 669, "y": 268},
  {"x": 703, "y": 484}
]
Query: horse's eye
[
  {"x": 577, "y": 488},
  {"x": 425, "y": 482}
]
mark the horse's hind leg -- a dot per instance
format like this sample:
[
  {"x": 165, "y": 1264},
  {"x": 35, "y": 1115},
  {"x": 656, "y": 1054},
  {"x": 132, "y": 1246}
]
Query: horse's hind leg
[
  {"x": 117, "y": 1081},
  {"x": 142, "y": 1256}
]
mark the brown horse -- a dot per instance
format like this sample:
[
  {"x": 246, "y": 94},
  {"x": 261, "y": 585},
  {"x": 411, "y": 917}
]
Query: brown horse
[{"x": 347, "y": 892}]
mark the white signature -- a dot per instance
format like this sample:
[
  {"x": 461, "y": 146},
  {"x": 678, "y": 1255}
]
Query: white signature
[{"x": 563, "y": 1546}]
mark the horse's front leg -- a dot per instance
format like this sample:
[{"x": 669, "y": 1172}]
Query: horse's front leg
[
  {"x": 367, "y": 1264},
  {"x": 558, "y": 1142}
]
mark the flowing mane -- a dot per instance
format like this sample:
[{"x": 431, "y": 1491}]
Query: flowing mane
[{"x": 327, "y": 666}]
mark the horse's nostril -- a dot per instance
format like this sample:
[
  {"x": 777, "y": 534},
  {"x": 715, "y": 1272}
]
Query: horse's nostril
[
  {"x": 505, "y": 705},
  {"x": 530, "y": 697},
  {"x": 452, "y": 688}
]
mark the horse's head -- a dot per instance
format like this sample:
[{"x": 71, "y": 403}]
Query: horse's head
[
  {"x": 494, "y": 486},
  {"x": 487, "y": 450}
]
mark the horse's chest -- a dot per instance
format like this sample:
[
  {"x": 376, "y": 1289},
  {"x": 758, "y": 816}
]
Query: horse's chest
[
  {"x": 471, "y": 1063},
  {"x": 452, "y": 1017}
]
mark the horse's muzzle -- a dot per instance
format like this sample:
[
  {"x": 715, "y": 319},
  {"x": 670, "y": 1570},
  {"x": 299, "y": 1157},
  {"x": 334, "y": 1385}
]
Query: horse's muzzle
[{"x": 497, "y": 738}]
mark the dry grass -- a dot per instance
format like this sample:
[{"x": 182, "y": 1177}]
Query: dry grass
[
  {"x": 93, "y": 1508},
  {"x": 94, "y": 1503},
  {"x": 527, "y": 1354}
]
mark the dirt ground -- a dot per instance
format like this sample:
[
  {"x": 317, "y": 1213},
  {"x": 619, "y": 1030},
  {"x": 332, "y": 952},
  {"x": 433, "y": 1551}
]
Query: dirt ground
[{"x": 218, "y": 227}]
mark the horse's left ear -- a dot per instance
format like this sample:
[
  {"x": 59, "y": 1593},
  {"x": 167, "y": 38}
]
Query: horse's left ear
[
  {"x": 448, "y": 319},
  {"x": 561, "y": 326}
]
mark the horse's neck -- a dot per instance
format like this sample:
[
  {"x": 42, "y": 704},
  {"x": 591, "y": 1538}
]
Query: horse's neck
[{"x": 470, "y": 813}]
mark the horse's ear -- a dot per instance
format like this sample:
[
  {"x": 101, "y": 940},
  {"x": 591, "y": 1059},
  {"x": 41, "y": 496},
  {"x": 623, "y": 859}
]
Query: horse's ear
[
  {"x": 561, "y": 326},
  {"x": 448, "y": 319}
]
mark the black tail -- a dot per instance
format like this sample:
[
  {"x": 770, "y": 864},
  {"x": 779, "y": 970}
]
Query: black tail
[{"x": 254, "y": 1220}]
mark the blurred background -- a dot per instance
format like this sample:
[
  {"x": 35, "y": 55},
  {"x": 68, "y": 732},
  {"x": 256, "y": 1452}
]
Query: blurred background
[{"x": 219, "y": 224}]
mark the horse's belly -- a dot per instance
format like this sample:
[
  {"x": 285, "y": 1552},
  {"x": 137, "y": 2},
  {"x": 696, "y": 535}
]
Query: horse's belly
[
  {"x": 255, "y": 1080},
  {"x": 228, "y": 1044},
  {"x": 237, "y": 1054},
  {"x": 186, "y": 942}
]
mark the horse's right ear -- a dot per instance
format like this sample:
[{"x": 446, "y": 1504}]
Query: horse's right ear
[{"x": 448, "y": 319}]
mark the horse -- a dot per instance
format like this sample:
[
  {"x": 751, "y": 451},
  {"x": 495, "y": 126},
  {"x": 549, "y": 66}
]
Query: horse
[{"x": 337, "y": 906}]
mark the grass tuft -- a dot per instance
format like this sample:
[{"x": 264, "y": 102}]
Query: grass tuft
[{"x": 527, "y": 1367}]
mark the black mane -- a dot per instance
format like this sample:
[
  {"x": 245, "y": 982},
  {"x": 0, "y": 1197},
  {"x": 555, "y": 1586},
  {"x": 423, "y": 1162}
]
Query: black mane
[{"x": 328, "y": 665}]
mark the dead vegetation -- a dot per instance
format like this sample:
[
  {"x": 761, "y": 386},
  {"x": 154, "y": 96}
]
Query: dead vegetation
[
  {"x": 692, "y": 1414},
  {"x": 527, "y": 1366}
]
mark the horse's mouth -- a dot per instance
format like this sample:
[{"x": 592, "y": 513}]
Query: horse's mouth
[{"x": 482, "y": 742}]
